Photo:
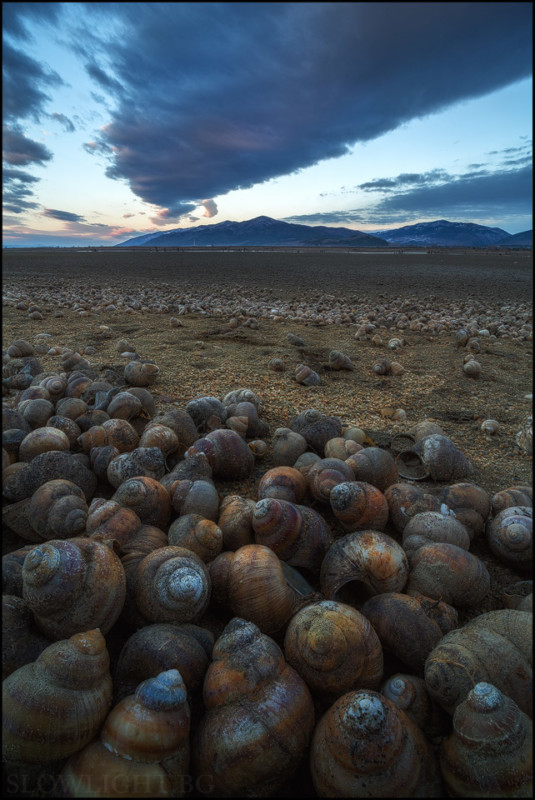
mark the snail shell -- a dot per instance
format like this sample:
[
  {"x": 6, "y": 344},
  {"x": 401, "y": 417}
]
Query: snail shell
[
  {"x": 124, "y": 405},
  {"x": 469, "y": 504},
  {"x": 341, "y": 448},
  {"x": 55, "y": 385},
  {"x": 68, "y": 426},
  {"x": 148, "y": 498},
  {"x": 490, "y": 426},
  {"x": 143, "y": 745},
  {"x": 22, "y": 642},
  {"x": 42, "y": 440},
  {"x": 121, "y": 434},
  {"x": 141, "y": 373},
  {"x": 242, "y": 395},
  {"x": 472, "y": 368},
  {"x": 56, "y": 705},
  {"x": 382, "y": 366},
  {"x": 325, "y": 474},
  {"x": 316, "y": 428},
  {"x": 359, "y": 506},
  {"x": 282, "y": 483},
  {"x": 259, "y": 715},
  {"x": 490, "y": 751},
  {"x": 107, "y": 519},
  {"x": 510, "y": 537},
  {"x": 495, "y": 647},
  {"x": 254, "y": 585},
  {"x": 180, "y": 423},
  {"x": 45, "y": 467},
  {"x": 195, "y": 497},
  {"x": 20, "y": 348},
  {"x": 449, "y": 573},
  {"x": 297, "y": 534},
  {"x": 71, "y": 407},
  {"x": 201, "y": 409},
  {"x": 371, "y": 559},
  {"x": 437, "y": 457},
  {"x": 513, "y": 496},
  {"x": 256, "y": 428},
  {"x": 58, "y": 510},
  {"x": 409, "y": 693},
  {"x": 12, "y": 570},
  {"x": 405, "y": 501},
  {"x": 364, "y": 745},
  {"x": 338, "y": 360},
  {"x": 409, "y": 627},
  {"x": 287, "y": 445},
  {"x": 69, "y": 583},
  {"x": 306, "y": 375},
  {"x": 155, "y": 648},
  {"x": 142, "y": 461},
  {"x": 100, "y": 458},
  {"x": 374, "y": 466},
  {"x": 36, "y": 412},
  {"x": 173, "y": 585},
  {"x": 198, "y": 534},
  {"x": 334, "y": 648},
  {"x": 161, "y": 436},
  {"x": 227, "y": 454},
  {"x": 429, "y": 527},
  {"x": 236, "y": 521}
]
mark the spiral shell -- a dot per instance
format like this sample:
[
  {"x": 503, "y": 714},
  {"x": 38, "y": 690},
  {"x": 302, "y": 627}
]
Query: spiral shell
[
  {"x": 371, "y": 561},
  {"x": 173, "y": 585},
  {"x": 339, "y": 360},
  {"x": 468, "y": 503},
  {"x": 510, "y": 537},
  {"x": 359, "y": 506},
  {"x": 405, "y": 501},
  {"x": 195, "y": 497},
  {"x": 472, "y": 368},
  {"x": 297, "y": 534},
  {"x": 382, "y": 366},
  {"x": 364, "y": 745},
  {"x": 107, "y": 519},
  {"x": 306, "y": 375},
  {"x": 236, "y": 521},
  {"x": 56, "y": 705},
  {"x": 375, "y": 466},
  {"x": 409, "y": 693},
  {"x": 259, "y": 715},
  {"x": 198, "y": 534},
  {"x": 141, "y": 373},
  {"x": 409, "y": 627},
  {"x": 148, "y": 498},
  {"x": 42, "y": 440},
  {"x": 254, "y": 585},
  {"x": 255, "y": 427},
  {"x": 142, "y": 461},
  {"x": 143, "y": 746},
  {"x": 334, "y": 648},
  {"x": 282, "y": 483},
  {"x": 242, "y": 395},
  {"x": 513, "y": 496},
  {"x": 429, "y": 527},
  {"x": 496, "y": 647},
  {"x": 58, "y": 510},
  {"x": 287, "y": 446},
  {"x": 45, "y": 467},
  {"x": 490, "y": 751},
  {"x": 449, "y": 573},
  {"x": 20, "y": 348},
  {"x": 203, "y": 409},
  {"x": 435, "y": 457},
  {"x": 325, "y": 474},
  {"x": 227, "y": 454},
  {"x": 316, "y": 428},
  {"x": 73, "y": 583}
]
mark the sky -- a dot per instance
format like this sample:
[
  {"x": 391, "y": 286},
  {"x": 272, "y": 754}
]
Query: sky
[{"x": 120, "y": 119}]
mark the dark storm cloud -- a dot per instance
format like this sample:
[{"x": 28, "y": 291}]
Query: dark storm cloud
[
  {"x": 63, "y": 120},
  {"x": 18, "y": 150},
  {"x": 24, "y": 84},
  {"x": 498, "y": 192},
  {"x": 403, "y": 180},
  {"x": 15, "y": 16},
  {"x": 65, "y": 216},
  {"x": 213, "y": 97}
]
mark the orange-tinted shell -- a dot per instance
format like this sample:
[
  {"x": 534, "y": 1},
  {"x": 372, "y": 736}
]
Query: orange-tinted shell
[
  {"x": 283, "y": 483},
  {"x": 374, "y": 465},
  {"x": 359, "y": 506},
  {"x": 405, "y": 500},
  {"x": 148, "y": 498},
  {"x": 449, "y": 573},
  {"x": 364, "y": 746}
]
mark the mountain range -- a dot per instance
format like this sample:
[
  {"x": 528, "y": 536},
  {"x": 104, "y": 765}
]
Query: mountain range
[{"x": 269, "y": 232}]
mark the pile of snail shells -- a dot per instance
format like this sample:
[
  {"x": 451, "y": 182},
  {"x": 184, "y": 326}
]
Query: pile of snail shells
[{"x": 338, "y": 576}]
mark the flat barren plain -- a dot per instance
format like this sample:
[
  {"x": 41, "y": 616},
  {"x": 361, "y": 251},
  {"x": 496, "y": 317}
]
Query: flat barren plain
[{"x": 236, "y": 310}]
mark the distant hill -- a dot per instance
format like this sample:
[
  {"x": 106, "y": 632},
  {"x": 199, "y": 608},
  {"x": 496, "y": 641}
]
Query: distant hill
[
  {"x": 260, "y": 231},
  {"x": 524, "y": 239},
  {"x": 442, "y": 233}
]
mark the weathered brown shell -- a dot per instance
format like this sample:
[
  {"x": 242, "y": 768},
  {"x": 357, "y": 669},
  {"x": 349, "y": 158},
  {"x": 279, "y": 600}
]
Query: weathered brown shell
[
  {"x": 306, "y": 375},
  {"x": 148, "y": 498},
  {"x": 409, "y": 627},
  {"x": 496, "y": 647},
  {"x": 57, "y": 704},
  {"x": 435, "y": 457},
  {"x": 513, "y": 496},
  {"x": 364, "y": 745},
  {"x": 259, "y": 715},
  {"x": 42, "y": 440},
  {"x": 198, "y": 534},
  {"x": 405, "y": 501},
  {"x": 141, "y": 373},
  {"x": 22, "y": 641},
  {"x": 510, "y": 537},
  {"x": 369, "y": 561},
  {"x": 227, "y": 453},
  {"x": 317, "y": 428},
  {"x": 236, "y": 521},
  {"x": 490, "y": 751},
  {"x": 325, "y": 474},
  {"x": 141, "y": 461},
  {"x": 334, "y": 648},
  {"x": 429, "y": 527},
  {"x": 469, "y": 503},
  {"x": 195, "y": 497},
  {"x": 449, "y": 573},
  {"x": 287, "y": 446},
  {"x": 359, "y": 506},
  {"x": 374, "y": 465},
  {"x": 283, "y": 483}
]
